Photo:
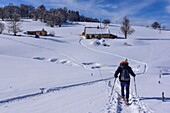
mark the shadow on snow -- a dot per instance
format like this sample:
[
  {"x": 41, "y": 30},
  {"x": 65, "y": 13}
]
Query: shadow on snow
[
  {"x": 49, "y": 90},
  {"x": 166, "y": 99}
]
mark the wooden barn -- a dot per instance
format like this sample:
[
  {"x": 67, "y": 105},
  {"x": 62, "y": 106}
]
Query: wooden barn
[
  {"x": 41, "y": 33},
  {"x": 98, "y": 33}
]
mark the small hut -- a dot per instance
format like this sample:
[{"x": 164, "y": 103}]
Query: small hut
[{"x": 41, "y": 33}]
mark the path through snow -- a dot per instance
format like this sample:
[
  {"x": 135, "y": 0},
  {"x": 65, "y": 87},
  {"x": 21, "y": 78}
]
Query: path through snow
[{"x": 115, "y": 104}]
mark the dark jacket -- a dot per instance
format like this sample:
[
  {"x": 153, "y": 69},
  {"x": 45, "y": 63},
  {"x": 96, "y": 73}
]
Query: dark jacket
[{"x": 120, "y": 68}]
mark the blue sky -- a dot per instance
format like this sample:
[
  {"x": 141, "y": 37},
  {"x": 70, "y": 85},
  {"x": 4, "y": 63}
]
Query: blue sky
[{"x": 141, "y": 12}]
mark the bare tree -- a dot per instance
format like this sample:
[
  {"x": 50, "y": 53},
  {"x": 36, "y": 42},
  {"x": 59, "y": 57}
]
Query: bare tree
[
  {"x": 63, "y": 15},
  {"x": 2, "y": 13},
  {"x": 31, "y": 11},
  {"x": 13, "y": 25},
  {"x": 126, "y": 28},
  {"x": 41, "y": 10},
  {"x": 55, "y": 17},
  {"x": 2, "y": 27},
  {"x": 51, "y": 17},
  {"x": 24, "y": 11},
  {"x": 9, "y": 10},
  {"x": 73, "y": 15},
  {"x": 35, "y": 14}
]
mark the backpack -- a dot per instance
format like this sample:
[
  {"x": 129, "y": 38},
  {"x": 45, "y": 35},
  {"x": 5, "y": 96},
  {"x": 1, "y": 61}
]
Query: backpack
[{"x": 125, "y": 75}]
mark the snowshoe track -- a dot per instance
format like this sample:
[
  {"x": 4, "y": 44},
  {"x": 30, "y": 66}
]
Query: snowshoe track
[{"x": 116, "y": 104}]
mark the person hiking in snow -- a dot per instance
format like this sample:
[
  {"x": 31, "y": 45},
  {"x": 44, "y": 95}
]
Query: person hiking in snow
[{"x": 124, "y": 71}]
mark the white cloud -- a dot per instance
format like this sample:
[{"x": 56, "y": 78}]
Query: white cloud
[
  {"x": 168, "y": 9},
  {"x": 111, "y": 6}
]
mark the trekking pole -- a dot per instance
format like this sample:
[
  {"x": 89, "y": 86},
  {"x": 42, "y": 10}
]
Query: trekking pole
[
  {"x": 113, "y": 86},
  {"x": 135, "y": 86}
]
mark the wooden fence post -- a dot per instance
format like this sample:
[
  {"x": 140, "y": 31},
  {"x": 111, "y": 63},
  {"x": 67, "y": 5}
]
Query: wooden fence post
[{"x": 163, "y": 96}]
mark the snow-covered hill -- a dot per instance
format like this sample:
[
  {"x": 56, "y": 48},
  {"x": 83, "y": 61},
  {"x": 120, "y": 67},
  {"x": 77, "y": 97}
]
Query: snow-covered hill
[{"x": 68, "y": 74}]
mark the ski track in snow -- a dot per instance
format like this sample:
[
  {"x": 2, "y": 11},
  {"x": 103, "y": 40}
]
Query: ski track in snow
[
  {"x": 116, "y": 104},
  {"x": 51, "y": 90}
]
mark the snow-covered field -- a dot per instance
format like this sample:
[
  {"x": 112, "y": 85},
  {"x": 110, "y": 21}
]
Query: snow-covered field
[{"x": 69, "y": 74}]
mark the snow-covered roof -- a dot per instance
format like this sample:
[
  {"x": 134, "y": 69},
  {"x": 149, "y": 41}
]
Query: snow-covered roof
[{"x": 97, "y": 30}]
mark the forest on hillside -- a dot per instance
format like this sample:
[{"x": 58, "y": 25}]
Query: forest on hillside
[{"x": 53, "y": 17}]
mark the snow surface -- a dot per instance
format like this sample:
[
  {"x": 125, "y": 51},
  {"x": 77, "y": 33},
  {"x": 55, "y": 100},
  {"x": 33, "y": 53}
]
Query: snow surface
[{"x": 69, "y": 74}]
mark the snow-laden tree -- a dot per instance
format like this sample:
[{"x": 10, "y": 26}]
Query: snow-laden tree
[
  {"x": 14, "y": 25},
  {"x": 126, "y": 28}
]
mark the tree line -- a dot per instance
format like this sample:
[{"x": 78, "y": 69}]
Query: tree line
[{"x": 53, "y": 16}]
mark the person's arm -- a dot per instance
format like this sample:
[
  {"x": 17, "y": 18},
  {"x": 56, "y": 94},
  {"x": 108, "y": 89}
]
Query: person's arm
[
  {"x": 117, "y": 72},
  {"x": 131, "y": 72}
]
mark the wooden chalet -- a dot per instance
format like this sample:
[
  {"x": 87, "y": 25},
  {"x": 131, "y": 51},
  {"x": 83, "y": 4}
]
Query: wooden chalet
[
  {"x": 98, "y": 33},
  {"x": 41, "y": 33}
]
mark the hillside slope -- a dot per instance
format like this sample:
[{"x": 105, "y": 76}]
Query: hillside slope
[{"x": 68, "y": 74}]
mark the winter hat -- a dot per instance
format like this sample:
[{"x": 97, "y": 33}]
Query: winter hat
[{"x": 124, "y": 61}]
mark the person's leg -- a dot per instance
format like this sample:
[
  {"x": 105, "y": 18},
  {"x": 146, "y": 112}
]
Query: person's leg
[
  {"x": 122, "y": 89},
  {"x": 127, "y": 90}
]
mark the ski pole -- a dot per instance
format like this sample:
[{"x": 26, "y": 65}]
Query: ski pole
[
  {"x": 135, "y": 86},
  {"x": 113, "y": 86}
]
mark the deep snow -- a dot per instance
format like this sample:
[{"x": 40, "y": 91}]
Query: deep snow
[{"x": 69, "y": 74}]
